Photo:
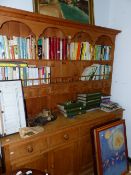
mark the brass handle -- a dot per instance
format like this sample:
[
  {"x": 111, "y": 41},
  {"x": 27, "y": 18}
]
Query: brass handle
[
  {"x": 30, "y": 149},
  {"x": 66, "y": 136}
]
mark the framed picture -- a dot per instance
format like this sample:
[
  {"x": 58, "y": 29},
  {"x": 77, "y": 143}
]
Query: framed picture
[
  {"x": 76, "y": 10},
  {"x": 12, "y": 115},
  {"x": 111, "y": 149}
]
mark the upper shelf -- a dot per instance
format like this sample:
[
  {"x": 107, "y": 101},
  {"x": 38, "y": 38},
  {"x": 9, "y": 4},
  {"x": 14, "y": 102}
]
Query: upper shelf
[
  {"x": 15, "y": 28},
  {"x": 30, "y": 18}
]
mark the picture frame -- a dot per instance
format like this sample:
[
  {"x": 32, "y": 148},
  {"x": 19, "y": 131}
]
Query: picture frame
[
  {"x": 12, "y": 115},
  {"x": 110, "y": 146},
  {"x": 81, "y": 11}
]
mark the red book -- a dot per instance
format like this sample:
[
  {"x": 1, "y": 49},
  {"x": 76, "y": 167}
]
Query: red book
[
  {"x": 78, "y": 51},
  {"x": 64, "y": 49},
  {"x": 12, "y": 54},
  {"x": 55, "y": 48},
  {"x": 58, "y": 48},
  {"x": 51, "y": 48}
]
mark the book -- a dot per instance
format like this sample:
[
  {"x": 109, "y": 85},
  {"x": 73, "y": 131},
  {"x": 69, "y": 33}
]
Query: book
[
  {"x": 88, "y": 98},
  {"x": 89, "y": 72},
  {"x": 64, "y": 49},
  {"x": 86, "y": 103},
  {"x": 73, "y": 109},
  {"x": 109, "y": 106},
  {"x": 40, "y": 48},
  {"x": 2, "y": 51},
  {"x": 87, "y": 95},
  {"x": 73, "y": 114},
  {"x": 69, "y": 105},
  {"x": 58, "y": 48},
  {"x": 78, "y": 51},
  {"x": 51, "y": 48}
]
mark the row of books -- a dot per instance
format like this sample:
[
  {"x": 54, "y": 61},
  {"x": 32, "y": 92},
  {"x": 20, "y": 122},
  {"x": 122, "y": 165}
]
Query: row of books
[
  {"x": 58, "y": 49},
  {"x": 81, "y": 51},
  {"x": 17, "y": 47},
  {"x": 83, "y": 103},
  {"x": 52, "y": 48},
  {"x": 29, "y": 75},
  {"x": 86, "y": 102},
  {"x": 96, "y": 72},
  {"x": 102, "y": 52}
]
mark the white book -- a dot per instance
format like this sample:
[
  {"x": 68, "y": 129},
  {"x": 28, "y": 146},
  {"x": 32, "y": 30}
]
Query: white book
[
  {"x": 6, "y": 47},
  {"x": 46, "y": 48},
  {"x": 60, "y": 49}
]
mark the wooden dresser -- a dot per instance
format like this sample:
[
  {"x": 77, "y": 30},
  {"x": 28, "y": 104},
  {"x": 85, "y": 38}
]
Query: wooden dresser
[{"x": 63, "y": 148}]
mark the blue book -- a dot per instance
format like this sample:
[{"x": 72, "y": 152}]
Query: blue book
[{"x": 2, "y": 50}]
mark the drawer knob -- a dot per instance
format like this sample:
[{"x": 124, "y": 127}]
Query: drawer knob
[
  {"x": 30, "y": 149},
  {"x": 66, "y": 136}
]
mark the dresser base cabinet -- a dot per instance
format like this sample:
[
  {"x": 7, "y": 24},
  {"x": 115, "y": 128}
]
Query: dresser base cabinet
[
  {"x": 63, "y": 148},
  {"x": 64, "y": 160}
]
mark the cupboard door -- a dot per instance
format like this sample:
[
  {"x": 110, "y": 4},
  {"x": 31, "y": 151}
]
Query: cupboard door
[
  {"x": 38, "y": 163},
  {"x": 63, "y": 160},
  {"x": 85, "y": 155}
]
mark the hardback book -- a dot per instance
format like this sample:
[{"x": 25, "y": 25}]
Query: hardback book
[
  {"x": 90, "y": 102},
  {"x": 58, "y": 48},
  {"x": 51, "y": 48},
  {"x": 88, "y": 98},
  {"x": 64, "y": 49},
  {"x": 73, "y": 114},
  {"x": 70, "y": 105},
  {"x": 40, "y": 48},
  {"x": 73, "y": 109},
  {"x": 89, "y": 95}
]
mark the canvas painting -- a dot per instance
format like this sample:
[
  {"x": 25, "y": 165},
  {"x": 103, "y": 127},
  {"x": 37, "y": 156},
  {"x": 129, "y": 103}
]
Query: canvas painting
[
  {"x": 111, "y": 149},
  {"x": 75, "y": 10}
]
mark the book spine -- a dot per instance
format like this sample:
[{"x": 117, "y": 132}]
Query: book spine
[
  {"x": 40, "y": 48},
  {"x": 64, "y": 49},
  {"x": 58, "y": 48}
]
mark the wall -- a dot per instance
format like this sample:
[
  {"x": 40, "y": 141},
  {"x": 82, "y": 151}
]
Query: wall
[
  {"x": 18, "y": 4},
  {"x": 116, "y": 14},
  {"x": 121, "y": 85},
  {"x": 101, "y": 9}
]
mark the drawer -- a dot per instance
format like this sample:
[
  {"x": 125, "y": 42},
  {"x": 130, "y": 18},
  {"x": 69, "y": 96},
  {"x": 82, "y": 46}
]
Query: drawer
[
  {"x": 28, "y": 148},
  {"x": 85, "y": 129},
  {"x": 63, "y": 137}
]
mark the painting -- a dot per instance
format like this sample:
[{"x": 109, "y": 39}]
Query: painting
[
  {"x": 75, "y": 10},
  {"x": 111, "y": 149}
]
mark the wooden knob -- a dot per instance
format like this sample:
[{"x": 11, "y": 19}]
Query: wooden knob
[
  {"x": 30, "y": 149},
  {"x": 66, "y": 136}
]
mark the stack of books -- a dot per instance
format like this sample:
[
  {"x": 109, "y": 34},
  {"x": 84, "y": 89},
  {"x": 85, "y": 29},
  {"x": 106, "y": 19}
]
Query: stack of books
[
  {"x": 109, "y": 106},
  {"x": 71, "y": 109},
  {"x": 90, "y": 100},
  {"x": 105, "y": 98}
]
